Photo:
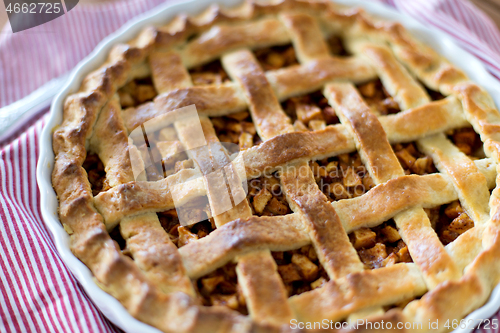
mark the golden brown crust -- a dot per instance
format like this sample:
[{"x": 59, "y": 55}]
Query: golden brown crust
[
  {"x": 412, "y": 124},
  {"x": 267, "y": 297},
  {"x": 225, "y": 38},
  {"x": 167, "y": 71},
  {"x": 306, "y": 36},
  {"x": 471, "y": 184},
  {"x": 315, "y": 73},
  {"x": 93, "y": 121},
  {"x": 155, "y": 254},
  {"x": 135, "y": 198},
  {"x": 406, "y": 91},
  {"x": 479, "y": 110},
  {"x": 328, "y": 236},
  {"x": 110, "y": 142},
  {"x": 369, "y": 134},
  {"x": 269, "y": 118},
  {"x": 209, "y": 101},
  {"x": 414, "y": 225},
  {"x": 290, "y": 147},
  {"x": 242, "y": 236},
  {"x": 359, "y": 290},
  {"x": 388, "y": 199}
]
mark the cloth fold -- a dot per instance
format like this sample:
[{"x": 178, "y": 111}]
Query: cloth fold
[{"x": 37, "y": 292}]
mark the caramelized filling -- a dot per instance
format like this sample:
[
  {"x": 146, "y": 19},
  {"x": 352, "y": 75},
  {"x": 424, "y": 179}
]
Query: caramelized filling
[
  {"x": 412, "y": 160},
  {"x": 434, "y": 95},
  {"x": 300, "y": 270},
  {"x": 116, "y": 235},
  {"x": 380, "y": 246},
  {"x": 266, "y": 197},
  {"x": 154, "y": 170},
  {"x": 310, "y": 112},
  {"x": 221, "y": 288},
  {"x": 342, "y": 177},
  {"x": 95, "y": 173},
  {"x": 236, "y": 128},
  {"x": 137, "y": 92},
  {"x": 468, "y": 141},
  {"x": 449, "y": 221},
  {"x": 336, "y": 46},
  {"x": 167, "y": 154},
  {"x": 171, "y": 150},
  {"x": 211, "y": 73},
  {"x": 276, "y": 57},
  {"x": 377, "y": 98},
  {"x": 181, "y": 235}
]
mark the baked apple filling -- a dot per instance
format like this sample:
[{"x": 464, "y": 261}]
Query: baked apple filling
[
  {"x": 209, "y": 74},
  {"x": 433, "y": 94},
  {"x": 468, "y": 141},
  {"x": 300, "y": 270},
  {"x": 412, "y": 160},
  {"x": 377, "y": 98},
  {"x": 221, "y": 288},
  {"x": 342, "y": 177},
  {"x": 236, "y": 128},
  {"x": 171, "y": 151},
  {"x": 380, "y": 246},
  {"x": 182, "y": 235},
  {"x": 95, "y": 173},
  {"x": 137, "y": 92},
  {"x": 266, "y": 197},
  {"x": 276, "y": 57},
  {"x": 310, "y": 112},
  {"x": 163, "y": 153},
  {"x": 116, "y": 235},
  {"x": 449, "y": 221},
  {"x": 336, "y": 46}
]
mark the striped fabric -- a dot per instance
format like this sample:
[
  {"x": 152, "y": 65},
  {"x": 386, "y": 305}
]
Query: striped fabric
[
  {"x": 37, "y": 292},
  {"x": 32, "y": 57}
]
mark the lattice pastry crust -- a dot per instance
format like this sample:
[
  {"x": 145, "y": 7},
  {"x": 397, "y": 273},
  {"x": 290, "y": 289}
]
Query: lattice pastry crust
[{"x": 156, "y": 286}]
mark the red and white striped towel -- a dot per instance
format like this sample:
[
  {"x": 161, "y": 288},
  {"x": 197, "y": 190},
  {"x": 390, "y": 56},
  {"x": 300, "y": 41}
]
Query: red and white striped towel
[{"x": 37, "y": 292}]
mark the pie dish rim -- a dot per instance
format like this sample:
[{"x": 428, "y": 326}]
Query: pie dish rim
[{"x": 107, "y": 304}]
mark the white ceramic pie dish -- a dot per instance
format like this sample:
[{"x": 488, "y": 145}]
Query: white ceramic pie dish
[{"x": 162, "y": 14}]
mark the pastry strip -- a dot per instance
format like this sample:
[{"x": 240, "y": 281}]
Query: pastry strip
[
  {"x": 147, "y": 241},
  {"x": 413, "y": 224},
  {"x": 227, "y": 199},
  {"x": 470, "y": 183},
  {"x": 398, "y": 82},
  {"x": 224, "y": 38},
  {"x": 360, "y": 290},
  {"x": 278, "y": 233}
]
